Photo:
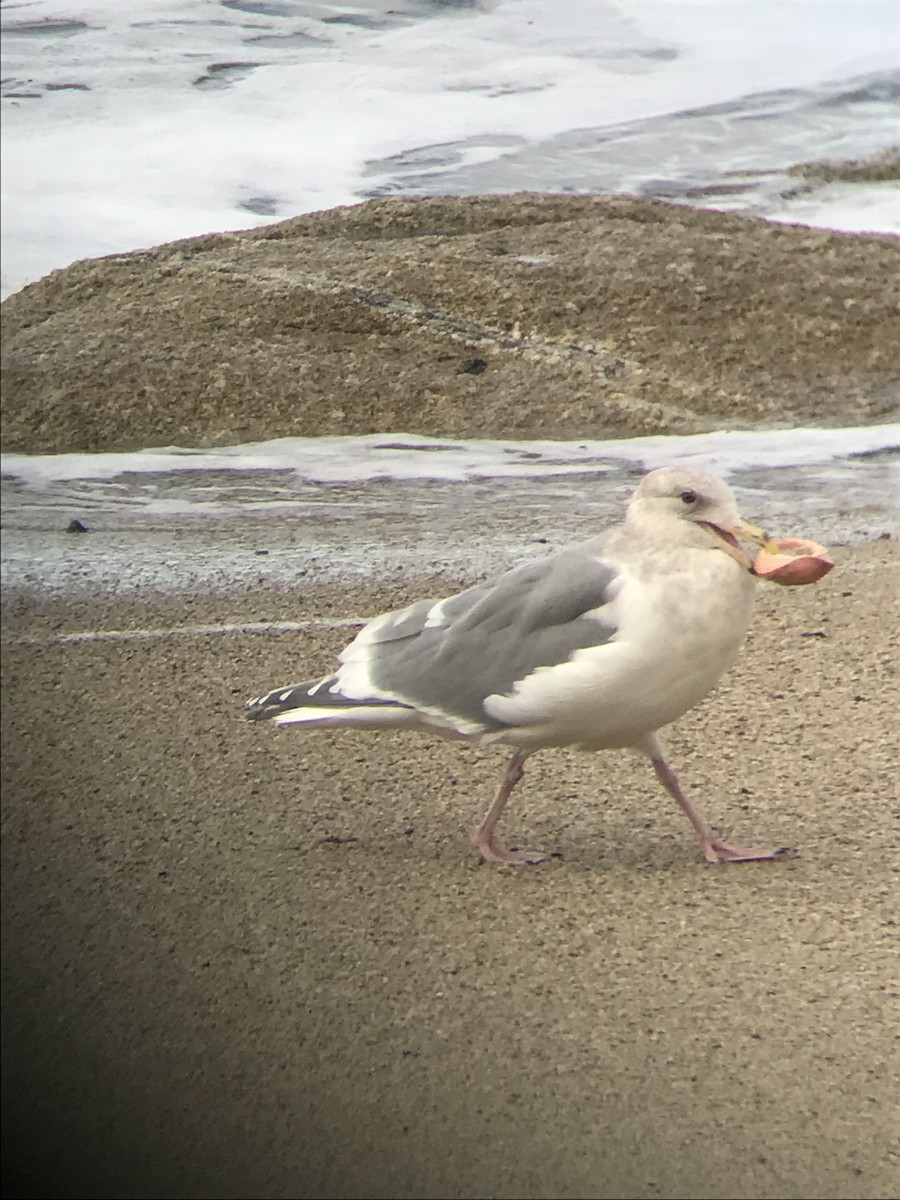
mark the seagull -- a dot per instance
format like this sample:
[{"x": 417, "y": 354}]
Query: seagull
[{"x": 597, "y": 647}]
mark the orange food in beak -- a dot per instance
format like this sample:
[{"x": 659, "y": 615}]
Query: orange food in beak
[{"x": 792, "y": 562}]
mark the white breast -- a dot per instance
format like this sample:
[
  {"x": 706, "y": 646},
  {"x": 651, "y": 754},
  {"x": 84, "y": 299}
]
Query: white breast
[{"x": 679, "y": 628}]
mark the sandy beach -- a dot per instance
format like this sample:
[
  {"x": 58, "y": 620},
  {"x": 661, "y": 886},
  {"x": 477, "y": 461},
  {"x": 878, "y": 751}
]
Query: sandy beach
[{"x": 248, "y": 962}]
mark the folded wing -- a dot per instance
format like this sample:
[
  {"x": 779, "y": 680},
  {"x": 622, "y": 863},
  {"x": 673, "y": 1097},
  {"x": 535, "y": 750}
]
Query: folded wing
[{"x": 434, "y": 663}]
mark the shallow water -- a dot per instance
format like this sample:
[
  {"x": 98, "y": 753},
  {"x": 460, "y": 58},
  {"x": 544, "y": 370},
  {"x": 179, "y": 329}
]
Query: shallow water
[{"x": 295, "y": 509}]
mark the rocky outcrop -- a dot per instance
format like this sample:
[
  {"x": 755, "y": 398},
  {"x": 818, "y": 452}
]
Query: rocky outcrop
[{"x": 525, "y": 315}]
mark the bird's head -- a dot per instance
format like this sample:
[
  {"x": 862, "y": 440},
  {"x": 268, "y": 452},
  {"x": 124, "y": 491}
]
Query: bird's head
[{"x": 696, "y": 508}]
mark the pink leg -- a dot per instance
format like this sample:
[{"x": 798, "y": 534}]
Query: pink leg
[
  {"x": 482, "y": 835},
  {"x": 714, "y": 849}
]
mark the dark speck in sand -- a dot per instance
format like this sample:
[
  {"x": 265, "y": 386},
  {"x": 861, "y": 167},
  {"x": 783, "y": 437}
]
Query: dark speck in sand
[{"x": 473, "y": 366}]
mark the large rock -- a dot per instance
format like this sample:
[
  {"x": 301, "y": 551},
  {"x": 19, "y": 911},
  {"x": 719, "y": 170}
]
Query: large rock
[{"x": 524, "y": 315}]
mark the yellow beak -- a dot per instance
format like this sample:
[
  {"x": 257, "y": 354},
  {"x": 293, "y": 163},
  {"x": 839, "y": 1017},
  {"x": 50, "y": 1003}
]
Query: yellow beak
[
  {"x": 749, "y": 533},
  {"x": 752, "y": 533}
]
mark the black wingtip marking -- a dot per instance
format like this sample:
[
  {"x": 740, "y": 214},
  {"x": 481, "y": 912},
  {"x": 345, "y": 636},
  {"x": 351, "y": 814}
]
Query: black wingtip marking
[{"x": 316, "y": 693}]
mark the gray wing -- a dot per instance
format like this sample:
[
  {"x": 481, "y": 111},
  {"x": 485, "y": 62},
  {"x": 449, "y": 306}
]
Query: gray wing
[{"x": 446, "y": 657}]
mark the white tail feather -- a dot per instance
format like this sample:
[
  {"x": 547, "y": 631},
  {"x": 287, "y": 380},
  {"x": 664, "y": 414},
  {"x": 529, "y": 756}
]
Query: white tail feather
[{"x": 360, "y": 717}]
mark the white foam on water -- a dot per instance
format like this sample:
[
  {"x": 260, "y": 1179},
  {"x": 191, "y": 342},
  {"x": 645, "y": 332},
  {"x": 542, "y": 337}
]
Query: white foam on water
[
  {"x": 410, "y": 457},
  {"x": 294, "y": 511},
  {"x": 127, "y": 125},
  {"x": 844, "y": 207}
]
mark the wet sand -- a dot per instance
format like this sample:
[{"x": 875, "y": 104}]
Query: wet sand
[{"x": 248, "y": 962}]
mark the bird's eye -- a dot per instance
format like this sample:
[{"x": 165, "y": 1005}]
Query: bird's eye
[{"x": 689, "y": 497}]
